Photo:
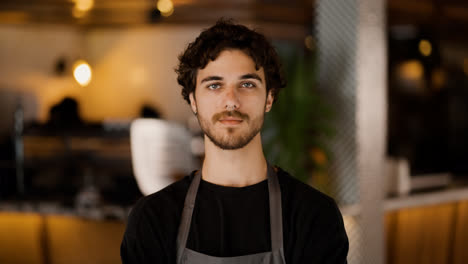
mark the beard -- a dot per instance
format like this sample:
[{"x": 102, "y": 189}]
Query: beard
[{"x": 232, "y": 138}]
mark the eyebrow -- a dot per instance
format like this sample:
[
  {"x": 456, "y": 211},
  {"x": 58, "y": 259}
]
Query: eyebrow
[
  {"x": 212, "y": 78},
  {"x": 243, "y": 77},
  {"x": 251, "y": 76}
]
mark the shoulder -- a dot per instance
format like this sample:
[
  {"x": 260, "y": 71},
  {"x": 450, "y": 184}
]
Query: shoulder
[
  {"x": 159, "y": 207},
  {"x": 153, "y": 224},
  {"x": 304, "y": 206},
  {"x": 313, "y": 226},
  {"x": 172, "y": 194},
  {"x": 303, "y": 195}
]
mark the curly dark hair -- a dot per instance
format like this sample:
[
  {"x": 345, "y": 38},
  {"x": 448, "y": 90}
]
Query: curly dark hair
[{"x": 222, "y": 36}]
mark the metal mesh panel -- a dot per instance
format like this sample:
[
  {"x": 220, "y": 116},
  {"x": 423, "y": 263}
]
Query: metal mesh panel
[
  {"x": 336, "y": 31},
  {"x": 351, "y": 76}
]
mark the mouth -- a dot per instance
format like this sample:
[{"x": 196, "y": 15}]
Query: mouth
[
  {"x": 230, "y": 121},
  {"x": 230, "y": 118}
]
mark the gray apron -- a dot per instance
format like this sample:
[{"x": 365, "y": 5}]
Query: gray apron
[{"x": 276, "y": 256}]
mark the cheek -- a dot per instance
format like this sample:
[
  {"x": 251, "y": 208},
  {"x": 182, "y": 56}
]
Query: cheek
[
  {"x": 210, "y": 101},
  {"x": 259, "y": 103},
  {"x": 206, "y": 107}
]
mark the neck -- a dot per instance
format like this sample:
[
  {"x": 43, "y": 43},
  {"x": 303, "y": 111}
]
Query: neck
[{"x": 235, "y": 168}]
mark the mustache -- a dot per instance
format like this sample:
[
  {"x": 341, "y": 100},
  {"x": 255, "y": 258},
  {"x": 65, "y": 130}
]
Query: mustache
[{"x": 234, "y": 113}]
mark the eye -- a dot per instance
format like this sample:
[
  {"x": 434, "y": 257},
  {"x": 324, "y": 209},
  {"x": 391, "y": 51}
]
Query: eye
[
  {"x": 213, "y": 86},
  {"x": 248, "y": 85}
]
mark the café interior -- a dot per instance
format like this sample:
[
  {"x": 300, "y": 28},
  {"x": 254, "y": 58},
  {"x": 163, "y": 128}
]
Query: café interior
[{"x": 375, "y": 114}]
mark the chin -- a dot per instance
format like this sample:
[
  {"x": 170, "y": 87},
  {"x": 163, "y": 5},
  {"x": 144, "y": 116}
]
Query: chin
[{"x": 232, "y": 142}]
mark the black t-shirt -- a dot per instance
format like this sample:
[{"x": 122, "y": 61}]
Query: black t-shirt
[{"x": 235, "y": 221}]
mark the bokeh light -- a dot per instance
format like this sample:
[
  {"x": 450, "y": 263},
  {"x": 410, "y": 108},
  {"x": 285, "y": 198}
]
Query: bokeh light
[
  {"x": 82, "y": 7},
  {"x": 166, "y": 7},
  {"x": 309, "y": 42},
  {"x": 411, "y": 70},
  {"x": 82, "y": 72},
  {"x": 425, "y": 47}
]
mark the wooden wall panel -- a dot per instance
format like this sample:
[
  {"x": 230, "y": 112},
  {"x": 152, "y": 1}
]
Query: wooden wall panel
[
  {"x": 421, "y": 235},
  {"x": 390, "y": 225},
  {"x": 460, "y": 248}
]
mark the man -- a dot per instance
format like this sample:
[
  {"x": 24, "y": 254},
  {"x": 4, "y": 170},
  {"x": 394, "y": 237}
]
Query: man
[{"x": 237, "y": 208}]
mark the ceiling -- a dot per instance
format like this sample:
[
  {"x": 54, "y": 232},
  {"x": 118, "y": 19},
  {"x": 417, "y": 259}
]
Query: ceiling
[
  {"x": 448, "y": 19},
  {"x": 443, "y": 16},
  {"x": 138, "y": 12}
]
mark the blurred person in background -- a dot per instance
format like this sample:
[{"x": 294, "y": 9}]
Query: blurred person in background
[
  {"x": 65, "y": 115},
  {"x": 148, "y": 111},
  {"x": 237, "y": 208}
]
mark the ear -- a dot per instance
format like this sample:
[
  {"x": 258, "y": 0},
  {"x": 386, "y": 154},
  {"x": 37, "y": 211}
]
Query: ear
[
  {"x": 193, "y": 104},
  {"x": 269, "y": 101}
]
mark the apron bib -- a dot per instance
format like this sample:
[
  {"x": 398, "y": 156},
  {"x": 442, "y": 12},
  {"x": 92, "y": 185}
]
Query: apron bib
[{"x": 275, "y": 256}]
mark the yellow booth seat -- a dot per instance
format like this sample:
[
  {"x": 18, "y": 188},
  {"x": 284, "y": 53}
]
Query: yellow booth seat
[{"x": 55, "y": 239}]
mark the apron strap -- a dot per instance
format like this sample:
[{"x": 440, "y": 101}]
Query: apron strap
[
  {"x": 276, "y": 217},
  {"x": 186, "y": 219}
]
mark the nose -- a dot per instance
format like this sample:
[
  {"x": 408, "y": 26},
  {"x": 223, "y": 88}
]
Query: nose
[{"x": 231, "y": 99}]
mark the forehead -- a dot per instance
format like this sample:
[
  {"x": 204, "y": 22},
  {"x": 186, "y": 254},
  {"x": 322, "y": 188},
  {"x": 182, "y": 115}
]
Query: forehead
[{"x": 230, "y": 63}]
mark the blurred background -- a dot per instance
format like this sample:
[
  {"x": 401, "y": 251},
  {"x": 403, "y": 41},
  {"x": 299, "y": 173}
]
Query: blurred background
[{"x": 375, "y": 114}]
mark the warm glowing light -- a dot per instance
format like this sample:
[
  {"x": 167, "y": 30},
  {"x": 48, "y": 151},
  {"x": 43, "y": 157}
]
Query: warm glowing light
[
  {"x": 411, "y": 70},
  {"x": 168, "y": 13},
  {"x": 82, "y": 7},
  {"x": 82, "y": 72},
  {"x": 166, "y": 7},
  {"x": 425, "y": 47},
  {"x": 78, "y": 13},
  {"x": 438, "y": 78},
  {"x": 318, "y": 156},
  {"x": 309, "y": 42}
]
